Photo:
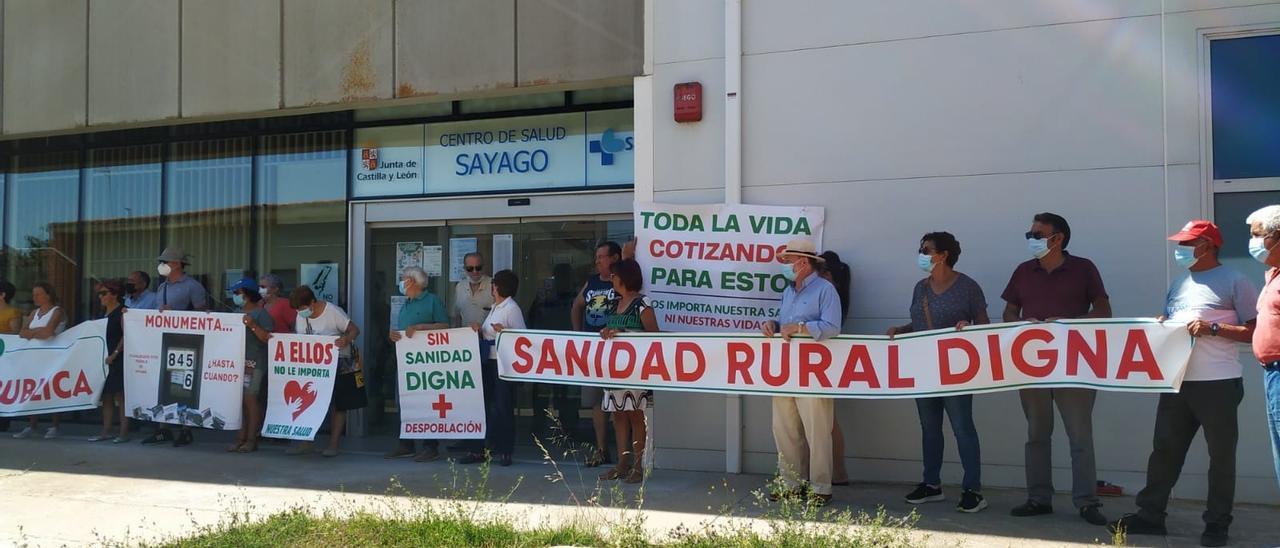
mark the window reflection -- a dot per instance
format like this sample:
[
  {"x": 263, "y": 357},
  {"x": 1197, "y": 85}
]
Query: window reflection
[
  {"x": 208, "y": 185},
  {"x": 302, "y": 204},
  {"x": 40, "y": 223},
  {"x": 121, "y": 212}
]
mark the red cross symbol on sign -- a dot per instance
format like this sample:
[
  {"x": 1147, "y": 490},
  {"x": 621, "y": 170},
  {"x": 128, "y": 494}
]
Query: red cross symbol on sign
[{"x": 442, "y": 406}]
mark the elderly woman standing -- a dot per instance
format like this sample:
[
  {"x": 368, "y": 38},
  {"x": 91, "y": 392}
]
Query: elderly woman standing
[
  {"x": 631, "y": 313},
  {"x": 945, "y": 299},
  {"x": 46, "y": 321},
  {"x": 110, "y": 295},
  {"x": 316, "y": 317}
]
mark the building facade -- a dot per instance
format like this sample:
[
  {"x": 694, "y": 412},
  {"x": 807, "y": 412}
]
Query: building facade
[
  {"x": 326, "y": 140},
  {"x": 1129, "y": 118}
]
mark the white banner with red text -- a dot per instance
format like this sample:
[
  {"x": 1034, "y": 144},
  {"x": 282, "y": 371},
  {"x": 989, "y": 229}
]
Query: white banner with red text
[
  {"x": 300, "y": 379},
  {"x": 441, "y": 393},
  {"x": 184, "y": 367},
  {"x": 714, "y": 267},
  {"x": 65, "y": 373},
  {"x": 1138, "y": 355}
]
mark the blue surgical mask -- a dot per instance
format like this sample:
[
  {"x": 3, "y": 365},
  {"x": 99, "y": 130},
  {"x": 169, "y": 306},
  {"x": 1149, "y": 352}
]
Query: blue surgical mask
[
  {"x": 1258, "y": 248},
  {"x": 1185, "y": 256},
  {"x": 925, "y": 262},
  {"x": 788, "y": 272},
  {"x": 400, "y": 287},
  {"x": 304, "y": 313},
  {"x": 238, "y": 299},
  {"x": 1038, "y": 248}
]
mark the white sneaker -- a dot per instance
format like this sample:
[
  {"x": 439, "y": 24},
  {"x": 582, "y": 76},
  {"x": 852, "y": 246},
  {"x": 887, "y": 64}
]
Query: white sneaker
[
  {"x": 23, "y": 434},
  {"x": 51, "y": 433}
]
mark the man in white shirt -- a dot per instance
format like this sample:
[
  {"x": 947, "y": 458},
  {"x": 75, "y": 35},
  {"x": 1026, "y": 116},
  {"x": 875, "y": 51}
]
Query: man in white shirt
[
  {"x": 472, "y": 297},
  {"x": 1217, "y": 304}
]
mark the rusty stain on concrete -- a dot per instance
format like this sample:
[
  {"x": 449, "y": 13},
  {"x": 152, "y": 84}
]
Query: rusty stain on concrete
[{"x": 358, "y": 75}]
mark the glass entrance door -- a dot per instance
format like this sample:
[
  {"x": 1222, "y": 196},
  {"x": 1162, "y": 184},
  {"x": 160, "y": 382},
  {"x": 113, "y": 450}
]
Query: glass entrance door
[{"x": 552, "y": 258}]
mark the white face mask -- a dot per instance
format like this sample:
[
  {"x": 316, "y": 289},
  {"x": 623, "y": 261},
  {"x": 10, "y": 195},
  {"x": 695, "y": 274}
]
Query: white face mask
[
  {"x": 263, "y": 291},
  {"x": 164, "y": 269},
  {"x": 1038, "y": 248}
]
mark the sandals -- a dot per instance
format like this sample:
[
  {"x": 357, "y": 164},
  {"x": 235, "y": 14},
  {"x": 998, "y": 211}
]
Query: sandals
[
  {"x": 615, "y": 473},
  {"x": 247, "y": 447},
  {"x": 597, "y": 458},
  {"x": 635, "y": 476},
  {"x": 235, "y": 447}
]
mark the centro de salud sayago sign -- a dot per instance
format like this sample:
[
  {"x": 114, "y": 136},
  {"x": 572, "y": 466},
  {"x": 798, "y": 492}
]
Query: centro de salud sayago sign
[{"x": 572, "y": 150}]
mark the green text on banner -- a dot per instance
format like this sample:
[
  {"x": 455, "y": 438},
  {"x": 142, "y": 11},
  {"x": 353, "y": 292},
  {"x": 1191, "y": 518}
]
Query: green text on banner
[
  {"x": 300, "y": 376},
  {"x": 65, "y": 373},
  {"x": 1139, "y": 355},
  {"x": 441, "y": 395},
  {"x": 184, "y": 367},
  {"x": 715, "y": 267}
]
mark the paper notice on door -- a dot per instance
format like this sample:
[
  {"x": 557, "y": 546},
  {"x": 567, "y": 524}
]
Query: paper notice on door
[
  {"x": 431, "y": 260},
  {"x": 501, "y": 252},
  {"x": 397, "y": 302},
  {"x": 458, "y": 250},
  {"x": 408, "y": 254}
]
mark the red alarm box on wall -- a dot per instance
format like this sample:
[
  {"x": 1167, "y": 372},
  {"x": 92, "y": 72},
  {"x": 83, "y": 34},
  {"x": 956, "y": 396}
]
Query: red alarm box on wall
[{"x": 688, "y": 102}]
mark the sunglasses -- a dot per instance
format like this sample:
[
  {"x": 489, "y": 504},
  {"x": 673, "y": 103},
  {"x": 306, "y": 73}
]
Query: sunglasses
[
  {"x": 103, "y": 293},
  {"x": 473, "y": 268},
  {"x": 1038, "y": 236},
  {"x": 925, "y": 251}
]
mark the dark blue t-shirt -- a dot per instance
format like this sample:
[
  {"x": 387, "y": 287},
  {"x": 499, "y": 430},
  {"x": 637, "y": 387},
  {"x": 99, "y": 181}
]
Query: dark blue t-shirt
[{"x": 963, "y": 301}]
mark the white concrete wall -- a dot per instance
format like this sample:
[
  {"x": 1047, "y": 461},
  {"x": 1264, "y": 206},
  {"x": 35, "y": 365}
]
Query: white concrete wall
[{"x": 918, "y": 115}]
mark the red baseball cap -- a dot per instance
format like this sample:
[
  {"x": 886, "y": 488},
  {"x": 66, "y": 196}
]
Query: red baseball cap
[{"x": 1199, "y": 229}]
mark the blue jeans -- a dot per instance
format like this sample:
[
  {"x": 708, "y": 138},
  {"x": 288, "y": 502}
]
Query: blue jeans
[
  {"x": 1271, "y": 389},
  {"x": 960, "y": 410}
]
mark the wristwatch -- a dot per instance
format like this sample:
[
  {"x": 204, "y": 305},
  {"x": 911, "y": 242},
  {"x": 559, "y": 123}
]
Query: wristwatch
[{"x": 1214, "y": 328}]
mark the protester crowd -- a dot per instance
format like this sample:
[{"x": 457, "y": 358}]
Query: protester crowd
[{"x": 1219, "y": 306}]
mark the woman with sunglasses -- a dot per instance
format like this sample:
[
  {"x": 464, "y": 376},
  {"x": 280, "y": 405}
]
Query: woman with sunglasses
[
  {"x": 110, "y": 296},
  {"x": 946, "y": 299}
]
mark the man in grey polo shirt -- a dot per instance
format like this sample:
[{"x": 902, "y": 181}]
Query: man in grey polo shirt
[{"x": 177, "y": 291}]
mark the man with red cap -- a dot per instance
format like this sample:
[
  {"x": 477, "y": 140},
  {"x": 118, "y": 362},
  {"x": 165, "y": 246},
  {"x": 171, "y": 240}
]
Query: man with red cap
[{"x": 1218, "y": 305}]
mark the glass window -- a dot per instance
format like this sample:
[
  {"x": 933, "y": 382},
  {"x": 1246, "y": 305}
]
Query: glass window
[
  {"x": 1246, "y": 107},
  {"x": 207, "y": 205},
  {"x": 514, "y": 102},
  {"x": 1230, "y": 209},
  {"x": 422, "y": 110},
  {"x": 302, "y": 192},
  {"x": 40, "y": 230},
  {"x": 602, "y": 95},
  {"x": 121, "y": 213}
]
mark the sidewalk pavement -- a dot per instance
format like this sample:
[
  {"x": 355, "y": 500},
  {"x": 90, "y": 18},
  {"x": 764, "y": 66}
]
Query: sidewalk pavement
[{"x": 72, "y": 492}]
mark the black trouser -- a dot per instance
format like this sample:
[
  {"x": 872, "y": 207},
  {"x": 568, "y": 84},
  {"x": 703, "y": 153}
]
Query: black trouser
[
  {"x": 1213, "y": 405},
  {"x": 499, "y": 409}
]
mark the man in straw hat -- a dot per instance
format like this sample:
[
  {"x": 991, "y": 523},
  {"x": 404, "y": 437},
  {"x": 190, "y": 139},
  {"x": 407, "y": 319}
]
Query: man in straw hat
[
  {"x": 802, "y": 426},
  {"x": 177, "y": 291}
]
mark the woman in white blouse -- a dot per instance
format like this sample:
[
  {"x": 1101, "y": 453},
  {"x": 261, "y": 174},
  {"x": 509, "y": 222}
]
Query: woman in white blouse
[
  {"x": 46, "y": 321},
  {"x": 499, "y": 395}
]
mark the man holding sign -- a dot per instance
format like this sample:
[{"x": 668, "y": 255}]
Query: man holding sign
[
  {"x": 810, "y": 306},
  {"x": 1053, "y": 285},
  {"x": 423, "y": 311},
  {"x": 1218, "y": 304}
]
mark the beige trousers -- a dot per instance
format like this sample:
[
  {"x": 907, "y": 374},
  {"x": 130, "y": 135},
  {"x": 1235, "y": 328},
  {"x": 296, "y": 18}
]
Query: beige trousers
[{"x": 802, "y": 430}]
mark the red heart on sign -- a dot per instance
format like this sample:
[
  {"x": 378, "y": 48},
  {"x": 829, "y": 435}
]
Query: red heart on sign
[{"x": 299, "y": 396}]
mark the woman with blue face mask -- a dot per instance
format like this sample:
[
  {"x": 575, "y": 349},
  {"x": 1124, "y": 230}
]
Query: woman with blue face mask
[
  {"x": 257, "y": 330},
  {"x": 946, "y": 299}
]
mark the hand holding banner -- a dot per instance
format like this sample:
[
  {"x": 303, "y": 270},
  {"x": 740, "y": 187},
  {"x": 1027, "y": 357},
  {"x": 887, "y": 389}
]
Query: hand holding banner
[
  {"x": 441, "y": 396},
  {"x": 300, "y": 377},
  {"x": 1139, "y": 355},
  {"x": 65, "y": 373},
  {"x": 184, "y": 367}
]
